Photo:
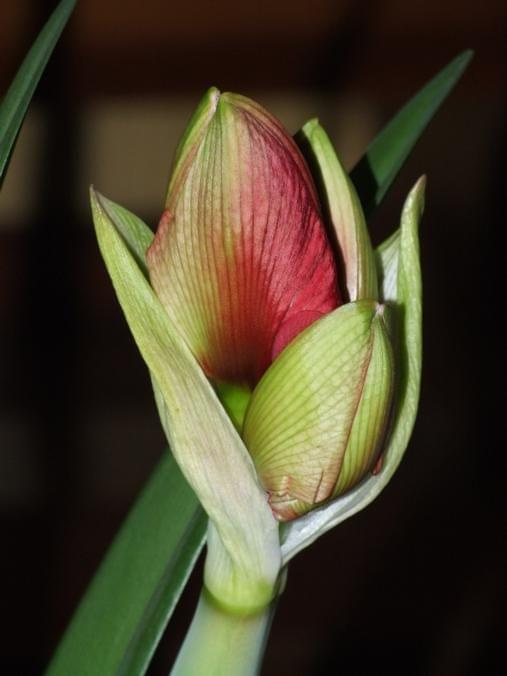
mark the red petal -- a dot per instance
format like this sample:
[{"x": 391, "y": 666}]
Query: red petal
[{"x": 241, "y": 261}]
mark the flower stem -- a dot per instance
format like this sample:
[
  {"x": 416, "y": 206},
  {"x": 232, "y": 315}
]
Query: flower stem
[{"x": 221, "y": 643}]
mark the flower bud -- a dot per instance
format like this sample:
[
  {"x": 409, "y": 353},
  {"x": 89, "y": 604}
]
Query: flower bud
[
  {"x": 241, "y": 286},
  {"x": 242, "y": 264},
  {"x": 241, "y": 260},
  {"x": 317, "y": 419}
]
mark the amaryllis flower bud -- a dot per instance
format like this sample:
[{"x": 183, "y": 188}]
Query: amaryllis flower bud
[
  {"x": 241, "y": 260},
  {"x": 242, "y": 263},
  {"x": 317, "y": 420},
  {"x": 277, "y": 391}
]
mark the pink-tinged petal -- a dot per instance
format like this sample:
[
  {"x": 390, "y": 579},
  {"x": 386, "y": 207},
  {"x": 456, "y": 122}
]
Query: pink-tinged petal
[{"x": 240, "y": 260}]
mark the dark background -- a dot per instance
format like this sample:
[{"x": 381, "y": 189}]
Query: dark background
[{"x": 413, "y": 585}]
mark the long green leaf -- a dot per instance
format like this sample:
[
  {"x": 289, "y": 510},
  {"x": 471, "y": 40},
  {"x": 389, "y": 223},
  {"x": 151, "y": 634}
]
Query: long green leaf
[
  {"x": 377, "y": 169},
  {"x": 15, "y": 103},
  {"x": 120, "y": 620}
]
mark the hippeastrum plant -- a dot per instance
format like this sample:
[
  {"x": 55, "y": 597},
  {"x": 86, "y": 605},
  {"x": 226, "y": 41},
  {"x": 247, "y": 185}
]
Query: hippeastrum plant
[
  {"x": 284, "y": 371},
  {"x": 285, "y": 356}
]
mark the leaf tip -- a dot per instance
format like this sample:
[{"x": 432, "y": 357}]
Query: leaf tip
[
  {"x": 466, "y": 56},
  {"x": 460, "y": 63}
]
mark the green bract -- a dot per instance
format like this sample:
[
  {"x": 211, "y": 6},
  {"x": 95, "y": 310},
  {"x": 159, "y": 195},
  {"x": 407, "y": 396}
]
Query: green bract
[
  {"x": 243, "y": 570},
  {"x": 400, "y": 287},
  {"x": 344, "y": 212}
]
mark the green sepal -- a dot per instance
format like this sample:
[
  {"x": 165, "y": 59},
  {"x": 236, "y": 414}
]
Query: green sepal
[
  {"x": 204, "y": 442},
  {"x": 343, "y": 212},
  {"x": 406, "y": 307}
]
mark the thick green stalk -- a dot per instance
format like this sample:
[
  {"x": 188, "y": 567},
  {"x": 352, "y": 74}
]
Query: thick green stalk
[{"x": 221, "y": 643}]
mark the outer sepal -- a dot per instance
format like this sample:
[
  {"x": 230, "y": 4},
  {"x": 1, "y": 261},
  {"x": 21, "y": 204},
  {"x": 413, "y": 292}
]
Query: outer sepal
[
  {"x": 208, "y": 449},
  {"x": 343, "y": 211},
  {"x": 316, "y": 421},
  {"x": 397, "y": 258}
]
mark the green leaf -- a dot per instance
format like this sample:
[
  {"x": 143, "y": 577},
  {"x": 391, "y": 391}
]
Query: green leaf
[
  {"x": 120, "y": 619},
  {"x": 375, "y": 172},
  {"x": 205, "y": 443},
  {"x": 15, "y": 103},
  {"x": 407, "y": 308}
]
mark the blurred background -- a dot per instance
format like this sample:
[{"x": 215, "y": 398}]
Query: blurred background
[{"x": 416, "y": 583}]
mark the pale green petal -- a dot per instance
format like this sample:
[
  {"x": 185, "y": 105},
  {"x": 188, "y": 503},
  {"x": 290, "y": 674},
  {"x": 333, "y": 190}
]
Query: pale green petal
[
  {"x": 367, "y": 436},
  {"x": 387, "y": 256},
  {"x": 202, "y": 438},
  {"x": 344, "y": 212},
  {"x": 408, "y": 342},
  {"x": 301, "y": 421},
  {"x": 407, "y": 308}
]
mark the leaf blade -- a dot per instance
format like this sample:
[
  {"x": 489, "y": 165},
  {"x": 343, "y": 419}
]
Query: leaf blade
[
  {"x": 384, "y": 157},
  {"x": 15, "y": 103},
  {"x": 141, "y": 577}
]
